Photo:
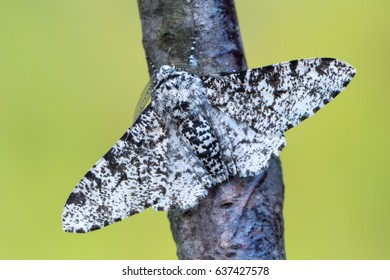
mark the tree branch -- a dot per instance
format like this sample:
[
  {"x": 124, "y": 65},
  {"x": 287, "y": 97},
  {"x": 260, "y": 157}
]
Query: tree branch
[{"x": 241, "y": 218}]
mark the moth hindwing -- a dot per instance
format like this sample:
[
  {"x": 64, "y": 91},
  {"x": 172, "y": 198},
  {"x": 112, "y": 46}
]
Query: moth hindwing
[{"x": 197, "y": 131}]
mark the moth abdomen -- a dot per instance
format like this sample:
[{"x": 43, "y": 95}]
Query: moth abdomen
[{"x": 199, "y": 135}]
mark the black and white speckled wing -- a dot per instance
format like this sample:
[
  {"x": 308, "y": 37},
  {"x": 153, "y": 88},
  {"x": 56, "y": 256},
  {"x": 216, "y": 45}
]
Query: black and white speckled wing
[
  {"x": 121, "y": 184},
  {"x": 246, "y": 152},
  {"x": 188, "y": 180},
  {"x": 274, "y": 98},
  {"x": 148, "y": 167}
]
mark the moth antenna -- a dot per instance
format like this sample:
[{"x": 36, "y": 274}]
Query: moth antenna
[
  {"x": 152, "y": 66},
  {"x": 192, "y": 60}
]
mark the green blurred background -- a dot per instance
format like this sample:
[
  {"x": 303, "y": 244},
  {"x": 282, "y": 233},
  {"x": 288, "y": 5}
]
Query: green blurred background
[{"x": 70, "y": 75}]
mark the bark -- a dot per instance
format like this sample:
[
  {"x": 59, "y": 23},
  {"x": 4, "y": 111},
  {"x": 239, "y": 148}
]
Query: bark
[{"x": 241, "y": 218}]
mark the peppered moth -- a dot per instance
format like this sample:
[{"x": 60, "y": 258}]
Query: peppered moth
[{"x": 197, "y": 132}]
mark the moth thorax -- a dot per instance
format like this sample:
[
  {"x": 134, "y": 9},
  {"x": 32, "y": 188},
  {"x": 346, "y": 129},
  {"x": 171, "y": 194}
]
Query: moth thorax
[
  {"x": 178, "y": 101},
  {"x": 183, "y": 105}
]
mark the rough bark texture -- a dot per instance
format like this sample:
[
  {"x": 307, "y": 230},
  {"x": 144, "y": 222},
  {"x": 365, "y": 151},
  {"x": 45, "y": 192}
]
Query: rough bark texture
[{"x": 242, "y": 218}]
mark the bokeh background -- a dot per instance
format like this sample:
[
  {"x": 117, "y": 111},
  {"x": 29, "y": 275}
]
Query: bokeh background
[{"x": 71, "y": 72}]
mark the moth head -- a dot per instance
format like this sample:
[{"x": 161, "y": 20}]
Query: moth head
[{"x": 176, "y": 92}]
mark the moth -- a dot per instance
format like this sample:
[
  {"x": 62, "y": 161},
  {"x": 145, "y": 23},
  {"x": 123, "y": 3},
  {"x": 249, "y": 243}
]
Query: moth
[{"x": 197, "y": 131}]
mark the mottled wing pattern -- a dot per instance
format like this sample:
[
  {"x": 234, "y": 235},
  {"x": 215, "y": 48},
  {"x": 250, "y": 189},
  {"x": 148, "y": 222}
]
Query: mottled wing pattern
[
  {"x": 254, "y": 108},
  {"x": 274, "y": 98},
  {"x": 129, "y": 178},
  {"x": 188, "y": 180},
  {"x": 148, "y": 166},
  {"x": 246, "y": 152}
]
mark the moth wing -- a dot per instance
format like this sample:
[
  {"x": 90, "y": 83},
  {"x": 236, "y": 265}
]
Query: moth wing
[
  {"x": 274, "y": 98},
  {"x": 148, "y": 166},
  {"x": 130, "y": 177},
  {"x": 246, "y": 152},
  {"x": 188, "y": 180}
]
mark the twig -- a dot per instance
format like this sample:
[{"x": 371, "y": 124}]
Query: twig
[{"x": 242, "y": 218}]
